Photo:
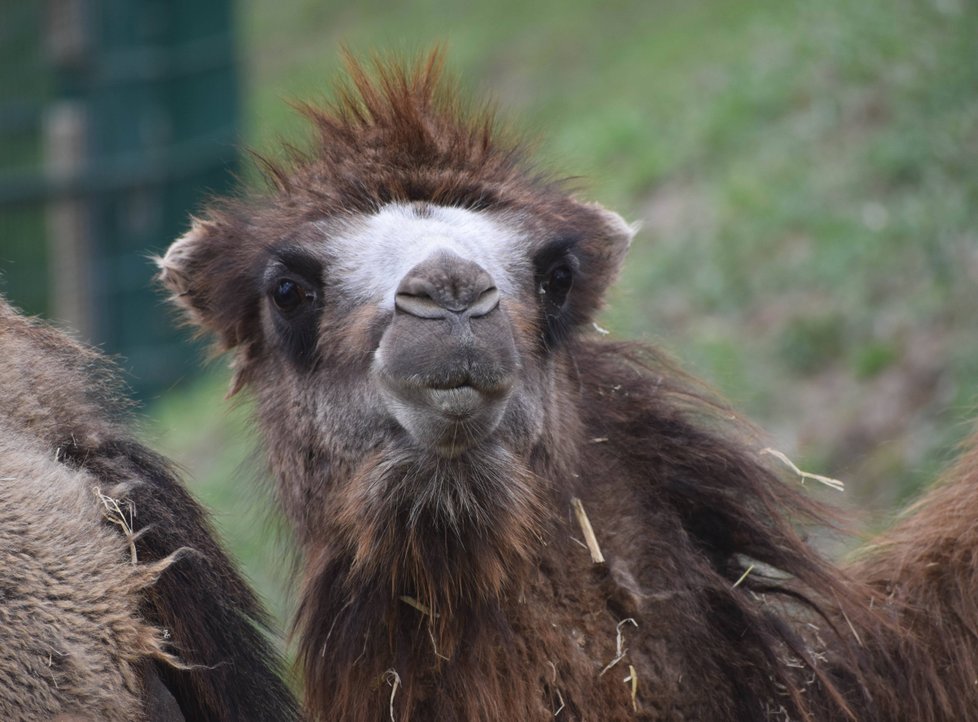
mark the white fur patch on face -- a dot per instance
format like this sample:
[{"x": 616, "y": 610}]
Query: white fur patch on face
[{"x": 372, "y": 255}]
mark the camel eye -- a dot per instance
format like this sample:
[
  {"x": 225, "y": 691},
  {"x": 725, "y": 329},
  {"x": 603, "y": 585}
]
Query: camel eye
[
  {"x": 288, "y": 295},
  {"x": 557, "y": 284}
]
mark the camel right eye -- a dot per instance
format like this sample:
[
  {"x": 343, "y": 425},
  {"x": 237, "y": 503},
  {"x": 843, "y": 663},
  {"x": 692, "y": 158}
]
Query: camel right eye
[{"x": 288, "y": 295}]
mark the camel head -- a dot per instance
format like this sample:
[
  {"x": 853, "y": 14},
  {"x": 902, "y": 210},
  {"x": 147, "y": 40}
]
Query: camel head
[{"x": 401, "y": 303}]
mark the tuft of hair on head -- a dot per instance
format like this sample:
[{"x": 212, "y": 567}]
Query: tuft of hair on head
[{"x": 400, "y": 131}]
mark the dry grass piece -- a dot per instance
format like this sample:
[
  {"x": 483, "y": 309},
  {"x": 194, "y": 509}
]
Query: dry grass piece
[
  {"x": 585, "y": 523},
  {"x": 743, "y": 576},
  {"x": 560, "y": 697},
  {"x": 827, "y": 480},
  {"x": 620, "y": 650},
  {"x": 113, "y": 513},
  {"x": 394, "y": 680},
  {"x": 412, "y": 602},
  {"x": 633, "y": 678}
]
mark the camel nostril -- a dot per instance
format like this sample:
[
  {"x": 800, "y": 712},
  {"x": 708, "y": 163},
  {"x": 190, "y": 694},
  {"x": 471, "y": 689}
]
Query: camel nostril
[
  {"x": 487, "y": 302},
  {"x": 420, "y": 306}
]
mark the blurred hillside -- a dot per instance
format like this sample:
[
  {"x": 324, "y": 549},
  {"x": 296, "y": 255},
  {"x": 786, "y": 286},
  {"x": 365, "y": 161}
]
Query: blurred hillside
[{"x": 806, "y": 177}]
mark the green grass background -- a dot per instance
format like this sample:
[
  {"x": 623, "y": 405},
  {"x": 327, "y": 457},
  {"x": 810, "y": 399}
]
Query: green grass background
[{"x": 806, "y": 177}]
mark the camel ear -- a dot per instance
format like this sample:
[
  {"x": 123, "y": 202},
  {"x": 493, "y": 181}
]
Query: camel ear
[
  {"x": 613, "y": 243},
  {"x": 177, "y": 271},
  {"x": 209, "y": 281},
  {"x": 606, "y": 238}
]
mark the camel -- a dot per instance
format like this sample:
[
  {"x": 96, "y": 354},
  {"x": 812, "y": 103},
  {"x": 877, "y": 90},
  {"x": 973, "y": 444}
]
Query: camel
[
  {"x": 116, "y": 601},
  {"x": 501, "y": 514}
]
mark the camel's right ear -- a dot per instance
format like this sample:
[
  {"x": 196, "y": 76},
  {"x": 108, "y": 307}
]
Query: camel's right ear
[
  {"x": 177, "y": 270},
  {"x": 209, "y": 281}
]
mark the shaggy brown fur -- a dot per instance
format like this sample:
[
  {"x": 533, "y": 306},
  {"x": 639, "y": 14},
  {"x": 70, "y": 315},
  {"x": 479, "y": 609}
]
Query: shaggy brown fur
[
  {"x": 927, "y": 567},
  {"x": 85, "y": 633},
  {"x": 58, "y": 563},
  {"x": 453, "y": 585}
]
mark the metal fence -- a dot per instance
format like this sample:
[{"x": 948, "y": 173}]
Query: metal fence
[{"x": 116, "y": 118}]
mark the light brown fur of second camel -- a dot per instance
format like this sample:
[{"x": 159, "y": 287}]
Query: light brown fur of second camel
[{"x": 116, "y": 602}]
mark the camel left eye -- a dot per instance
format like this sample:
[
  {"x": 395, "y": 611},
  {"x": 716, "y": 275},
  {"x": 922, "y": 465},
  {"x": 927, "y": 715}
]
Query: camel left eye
[{"x": 557, "y": 284}]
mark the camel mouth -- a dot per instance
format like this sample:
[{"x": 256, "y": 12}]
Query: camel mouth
[
  {"x": 459, "y": 382},
  {"x": 458, "y": 401},
  {"x": 487, "y": 381},
  {"x": 447, "y": 414}
]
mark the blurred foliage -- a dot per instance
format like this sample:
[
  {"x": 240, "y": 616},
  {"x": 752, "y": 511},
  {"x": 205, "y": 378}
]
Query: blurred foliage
[
  {"x": 24, "y": 87},
  {"x": 811, "y": 344},
  {"x": 805, "y": 173}
]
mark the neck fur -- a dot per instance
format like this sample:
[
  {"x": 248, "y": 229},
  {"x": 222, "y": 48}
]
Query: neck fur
[{"x": 418, "y": 557}]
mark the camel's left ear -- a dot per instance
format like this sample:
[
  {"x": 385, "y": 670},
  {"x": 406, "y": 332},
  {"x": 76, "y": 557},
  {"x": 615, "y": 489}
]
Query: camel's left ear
[
  {"x": 605, "y": 239},
  {"x": 613, "y": 241}
]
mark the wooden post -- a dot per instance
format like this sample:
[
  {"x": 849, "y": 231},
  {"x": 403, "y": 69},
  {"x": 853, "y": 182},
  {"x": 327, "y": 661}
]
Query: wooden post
[
  {"x": 66, "y": 126},
  {"x": 69, "y": 242}
]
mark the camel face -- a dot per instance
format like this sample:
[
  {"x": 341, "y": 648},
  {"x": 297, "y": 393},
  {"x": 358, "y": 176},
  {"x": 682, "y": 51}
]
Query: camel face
[
  {"x": 404, "y": 298},
  {"x": 438, "y": 281}
]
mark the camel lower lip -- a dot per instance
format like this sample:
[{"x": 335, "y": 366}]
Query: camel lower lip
[{"x": 458, "y": 402}]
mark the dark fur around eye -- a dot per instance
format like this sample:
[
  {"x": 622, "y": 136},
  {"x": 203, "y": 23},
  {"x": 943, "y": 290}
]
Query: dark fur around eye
[{"x": 294, "y": 288}]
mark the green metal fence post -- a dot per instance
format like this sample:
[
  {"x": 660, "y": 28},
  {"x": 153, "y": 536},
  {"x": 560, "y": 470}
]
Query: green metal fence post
[{"x": 143, "y": 125}]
